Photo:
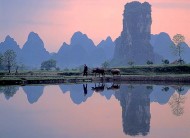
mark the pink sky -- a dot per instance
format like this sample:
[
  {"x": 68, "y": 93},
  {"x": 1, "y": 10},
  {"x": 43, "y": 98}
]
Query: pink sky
[{"x": 56, "y": 20}]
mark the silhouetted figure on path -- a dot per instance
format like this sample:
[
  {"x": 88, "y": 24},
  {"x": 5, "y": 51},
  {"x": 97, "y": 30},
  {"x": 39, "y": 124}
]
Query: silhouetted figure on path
[
  {"x": 85, "y": 72},
  {"x": 85, "y": 89}
]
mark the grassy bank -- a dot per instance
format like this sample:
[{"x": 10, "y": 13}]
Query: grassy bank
[
  {"x": 171, "y": 73},
  {"x": 128, "y": 70},
  {"x": 156, "y": 70}
]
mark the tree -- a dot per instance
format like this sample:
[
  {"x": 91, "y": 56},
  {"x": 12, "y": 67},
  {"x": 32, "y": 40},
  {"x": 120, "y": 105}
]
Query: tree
[
  {"x": 165, "y": 61},
  {"x": 149, "y": 87},
  {"x": 131, "y": 87},
  {"x": 49, "y": 64},
  {"x": 165, "y": 89},
  {"x": 149, "y": 62},
  {"x": 66, "y": 69},
  {"x": 131, "y": 63},
  {"x": 9, "y": 59},
  {"x": 57, "y": 69},
  {"x": 178, "y": 40},
  {"x": 106, "y": 64},
  {"x": 1, "y": 61}
]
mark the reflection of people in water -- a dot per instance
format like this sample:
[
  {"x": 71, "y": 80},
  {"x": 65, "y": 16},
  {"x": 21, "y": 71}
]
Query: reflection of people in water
[
  {"x": 135, "y": 105},
  {"x": 85, "y": 89}
]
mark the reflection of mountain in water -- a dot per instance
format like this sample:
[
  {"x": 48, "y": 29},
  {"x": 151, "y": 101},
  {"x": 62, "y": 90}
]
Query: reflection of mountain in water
[
  {"x": 162, "y": 94},
  {"x": 109, "y": 91},
  {"x": 76, "y": 92},
  {"x": 108, "y": 94},
  {"x": 33, "y": 93},
  {"x": 182, "y": 90},
  {"x": 9, "y": 91},
  {"x": 134, "y": 100},
  {"x": 135, "y": 103}
]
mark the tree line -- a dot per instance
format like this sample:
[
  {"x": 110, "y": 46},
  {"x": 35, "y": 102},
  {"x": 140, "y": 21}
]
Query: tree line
[{"x": 8, "y": 61}]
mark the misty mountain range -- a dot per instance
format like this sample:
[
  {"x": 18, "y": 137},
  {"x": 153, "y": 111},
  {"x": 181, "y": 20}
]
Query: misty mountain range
[{"x": 82, "y": 50}]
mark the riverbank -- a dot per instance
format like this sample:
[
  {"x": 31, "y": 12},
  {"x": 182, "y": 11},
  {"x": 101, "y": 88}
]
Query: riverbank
[
  {"x": 163, "y": 74},
  {"x": 153, "y": 79}
]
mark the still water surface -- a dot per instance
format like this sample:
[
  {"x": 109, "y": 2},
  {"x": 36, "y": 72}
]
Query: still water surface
[{"x": 95, "y": 111}]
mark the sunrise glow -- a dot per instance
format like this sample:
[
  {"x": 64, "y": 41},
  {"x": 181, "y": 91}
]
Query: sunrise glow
[{"x": 56, "y": 20}]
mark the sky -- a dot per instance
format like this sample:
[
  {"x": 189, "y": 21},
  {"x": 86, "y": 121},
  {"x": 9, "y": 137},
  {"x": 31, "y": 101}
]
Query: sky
[{"x": 57, "y": 20}]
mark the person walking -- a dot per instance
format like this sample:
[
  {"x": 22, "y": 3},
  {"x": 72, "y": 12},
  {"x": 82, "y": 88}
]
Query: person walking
[{"x": 85, "y": 72}]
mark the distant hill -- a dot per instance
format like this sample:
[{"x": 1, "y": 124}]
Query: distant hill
[
  {"x": 33, "y": 51},
  {"x": 82, "y": 50},
  {"x": 77, "y": 53},
  {"x": 108, "y": 47},
  {"x": 162, "y": 45},
  {"x": 10, "y": 43}
]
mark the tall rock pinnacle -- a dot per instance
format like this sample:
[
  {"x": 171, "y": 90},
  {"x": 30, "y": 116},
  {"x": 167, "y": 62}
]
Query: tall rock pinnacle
[{"x": 134, "y": 43}]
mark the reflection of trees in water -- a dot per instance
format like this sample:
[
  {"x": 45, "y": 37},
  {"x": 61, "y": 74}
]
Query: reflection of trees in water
[
  {"x": 149, "y": 87},
  {"x": 9, "y": 91},
  {"x": 165, "y": 89},
  {"x": 135, "y": 103},
  {"x": 99, "y": 88},
  {"x": 176, "y": 102}
]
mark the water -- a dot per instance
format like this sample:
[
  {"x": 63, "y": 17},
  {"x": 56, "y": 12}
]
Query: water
[{"x": 104, "y": 111}]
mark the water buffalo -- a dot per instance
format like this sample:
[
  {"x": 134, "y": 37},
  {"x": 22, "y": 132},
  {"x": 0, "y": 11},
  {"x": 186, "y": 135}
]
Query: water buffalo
[
  {"x": 115, "y": 72},
  {"x": 98, "y": 71}
]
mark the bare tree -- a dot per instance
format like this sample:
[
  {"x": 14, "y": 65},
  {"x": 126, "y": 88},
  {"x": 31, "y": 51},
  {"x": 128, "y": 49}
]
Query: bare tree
[
  {"x": 165, "y": 61},
  {"x": 149, "y": 62},
  {"x": 9, "y": 59},
  {"x": 178, "y": 40},
  {"x": 176, "y": 102}
]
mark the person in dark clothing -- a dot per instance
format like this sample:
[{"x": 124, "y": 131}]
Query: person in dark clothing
[
  {"x": 85, "y": 89},
  {"x": 85, "y": 72}
]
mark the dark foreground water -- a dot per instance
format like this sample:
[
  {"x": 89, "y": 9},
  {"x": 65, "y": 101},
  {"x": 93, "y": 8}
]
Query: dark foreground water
[{"x": 89, "y": 111}]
